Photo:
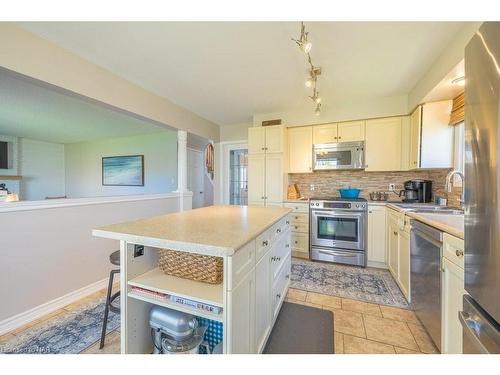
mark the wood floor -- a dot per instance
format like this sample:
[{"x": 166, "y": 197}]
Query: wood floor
[{"x": 359, "y": 327}]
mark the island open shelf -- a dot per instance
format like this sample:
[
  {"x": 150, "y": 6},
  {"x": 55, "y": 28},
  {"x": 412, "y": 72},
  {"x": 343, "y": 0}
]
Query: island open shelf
[{"x": 158, "y": 281}]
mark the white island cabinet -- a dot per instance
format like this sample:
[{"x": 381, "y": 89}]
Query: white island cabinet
[{"x": 255, "y": 246}]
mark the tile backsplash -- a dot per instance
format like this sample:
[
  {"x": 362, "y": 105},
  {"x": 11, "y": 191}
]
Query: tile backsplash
[{"x": 326, "y": 183}]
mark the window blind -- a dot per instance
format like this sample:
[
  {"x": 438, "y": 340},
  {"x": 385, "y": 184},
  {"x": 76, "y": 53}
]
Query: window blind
[{"x": 457, "y": 111}]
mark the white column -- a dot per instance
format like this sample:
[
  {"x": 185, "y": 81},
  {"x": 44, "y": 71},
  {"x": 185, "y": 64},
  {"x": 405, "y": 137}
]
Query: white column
[{"x": 182, "y": 165}]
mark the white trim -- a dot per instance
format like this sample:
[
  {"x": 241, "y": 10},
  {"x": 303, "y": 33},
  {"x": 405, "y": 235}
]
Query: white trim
[
  {"x": 226, "y": 148},
  {"x": 57, "y": 203},
  {"x": 28, "y": 316}
]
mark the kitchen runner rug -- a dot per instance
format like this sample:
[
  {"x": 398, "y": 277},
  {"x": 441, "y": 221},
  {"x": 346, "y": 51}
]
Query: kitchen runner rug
[
  {"x": 67, "y": 333},
  {"x": 367, "y": 284},
  {"x": 301, "y": 329}
]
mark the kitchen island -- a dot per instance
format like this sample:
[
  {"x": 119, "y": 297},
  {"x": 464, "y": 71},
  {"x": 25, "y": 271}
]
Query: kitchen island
[{"x": 254, "y": 245}]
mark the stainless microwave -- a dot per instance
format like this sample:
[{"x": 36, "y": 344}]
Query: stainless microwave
[{"x": 346, "y": 155}]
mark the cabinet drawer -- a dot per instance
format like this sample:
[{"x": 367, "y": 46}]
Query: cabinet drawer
[
  {"x": 298, "y": 207},
  {"x": 280, "y": 286},
  {"x": 279, "y": 253},
  {"x": 453, "y": 249},
  {"x": 240, "y": 263},
  {"x": 279, "y": 228},
  {"x": 299, "y": 218},
  {"x": 262, "y": 244},
  {"x": 300, "y": 242},
  {"x": 301, "y": 227}
]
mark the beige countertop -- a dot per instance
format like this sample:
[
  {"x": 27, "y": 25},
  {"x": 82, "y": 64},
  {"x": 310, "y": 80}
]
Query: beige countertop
[
  {"x": 452, "y": 224},
  {"x": 214, "y": 230}
]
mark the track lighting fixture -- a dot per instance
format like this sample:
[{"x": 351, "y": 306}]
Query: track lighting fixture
[{"x": 314, "y": 71}]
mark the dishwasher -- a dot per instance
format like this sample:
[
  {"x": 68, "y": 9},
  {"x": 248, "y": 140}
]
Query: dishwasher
[{"x": 426, "y": 249}]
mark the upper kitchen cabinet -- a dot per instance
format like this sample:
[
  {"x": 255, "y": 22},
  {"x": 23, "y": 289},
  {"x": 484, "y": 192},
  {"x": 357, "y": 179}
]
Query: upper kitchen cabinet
[
  {"x": 264, "y": 139},
  {"x": 300, "y": 142},
  {"x": 383, "y": 144},
  {"x": 351, "y": 131},
  {"x": 326, "y": 133},
  {"x": 431, "y": 138}
]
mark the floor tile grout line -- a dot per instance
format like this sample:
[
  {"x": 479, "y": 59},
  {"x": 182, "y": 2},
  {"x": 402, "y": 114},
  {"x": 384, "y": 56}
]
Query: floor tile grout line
[{"x": 413, "y": 336}]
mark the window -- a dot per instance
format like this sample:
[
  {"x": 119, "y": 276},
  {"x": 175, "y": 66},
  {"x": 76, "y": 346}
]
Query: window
[{"x": 459, "y": 151}]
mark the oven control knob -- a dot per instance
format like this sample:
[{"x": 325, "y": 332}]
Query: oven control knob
[{"x": 317, "y": 204}]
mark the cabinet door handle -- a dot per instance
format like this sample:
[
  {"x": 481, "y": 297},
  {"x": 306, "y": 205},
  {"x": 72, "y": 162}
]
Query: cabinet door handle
[
  {"x": 395, "y": 233},
  {"x": 287, "y": 276},
  {"x": 265, "y": 243},
  {"x": 340, "y": 137},
  {"x": 278, "y": 230},
  {"x": 370, "y": 212},
  {"x": 278, "y": 259},
  {"x": 296, "y": 242},
  {"x": 262, "y": 148},
  {"x": 278, "y": 295},
  {"x": 288, "y": 222},
  {"x": 459, "y": 253},
  {"x": 287, "y": 245}
]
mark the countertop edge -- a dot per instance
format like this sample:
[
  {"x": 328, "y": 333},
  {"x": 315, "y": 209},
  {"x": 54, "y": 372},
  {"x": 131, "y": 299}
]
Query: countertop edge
[{"x": 186, "y": 246}]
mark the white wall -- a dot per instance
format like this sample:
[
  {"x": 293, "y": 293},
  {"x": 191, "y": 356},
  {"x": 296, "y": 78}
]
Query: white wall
[
  {"x": 83, "y": 164},
  {"x": 234, "y": 132},
  {"x": 42, "y": 166},
  {"x": 448, "y": 59},
  {"x": 46, "y": 253}
]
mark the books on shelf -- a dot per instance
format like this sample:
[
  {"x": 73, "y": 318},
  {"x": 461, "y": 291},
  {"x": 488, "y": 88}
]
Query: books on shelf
[{"x": 177, "y": 300}]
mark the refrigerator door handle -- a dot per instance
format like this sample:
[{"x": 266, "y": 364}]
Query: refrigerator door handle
[{"x": 468, "y": 324}]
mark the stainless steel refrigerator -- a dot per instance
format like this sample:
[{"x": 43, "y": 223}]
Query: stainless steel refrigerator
[{"x": 480, "y": 317}]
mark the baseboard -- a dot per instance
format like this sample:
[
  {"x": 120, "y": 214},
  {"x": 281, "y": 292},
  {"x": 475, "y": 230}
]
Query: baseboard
[
  {"x": 28, "y": 316},
  {"x": 377, "y": 265}
]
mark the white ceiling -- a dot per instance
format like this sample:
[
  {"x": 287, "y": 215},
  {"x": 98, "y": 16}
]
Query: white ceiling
[
  {"x": 228, "y": 71},
  {"x": 29, "y": 109}
]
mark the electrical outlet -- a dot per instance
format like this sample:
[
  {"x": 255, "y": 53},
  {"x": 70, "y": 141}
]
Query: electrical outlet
[
  {"x": 392, "y": 187},
  {"x": 311, "y": 187},
  {"x": 138, "y": 250}
]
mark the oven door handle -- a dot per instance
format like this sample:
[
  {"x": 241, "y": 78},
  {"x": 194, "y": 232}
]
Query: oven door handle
[
  {"x": 337, "y": 253},
  {"x": 343, "y": 214}
]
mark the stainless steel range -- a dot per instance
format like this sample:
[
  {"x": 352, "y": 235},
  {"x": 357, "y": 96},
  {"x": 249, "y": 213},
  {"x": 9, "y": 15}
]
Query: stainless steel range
[{"x": 338, "y": 230}]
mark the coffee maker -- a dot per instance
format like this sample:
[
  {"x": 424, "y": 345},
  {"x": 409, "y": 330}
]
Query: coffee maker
[{"x": 417, "y": 191}]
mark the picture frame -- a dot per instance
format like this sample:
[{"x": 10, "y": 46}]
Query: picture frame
[{"x": 123, "y": 170}]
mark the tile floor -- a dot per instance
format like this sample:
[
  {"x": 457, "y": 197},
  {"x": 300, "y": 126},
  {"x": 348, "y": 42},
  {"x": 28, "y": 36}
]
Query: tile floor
[
  {"x": 359, "y": 327},
  {"x": 367, "y": 328}
]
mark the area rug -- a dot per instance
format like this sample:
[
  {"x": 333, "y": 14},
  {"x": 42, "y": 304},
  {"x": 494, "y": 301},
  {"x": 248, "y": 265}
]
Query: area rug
[
  {"x": 67, "y": 333},
  {"x": 301, "y": 329},
  {"x": 367, "y": 284}
]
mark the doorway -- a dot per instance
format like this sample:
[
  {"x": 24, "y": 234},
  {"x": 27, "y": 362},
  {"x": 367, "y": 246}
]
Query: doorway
[
  {"x": 195, "y": 176},
  {"x": 238, "y": 177}
]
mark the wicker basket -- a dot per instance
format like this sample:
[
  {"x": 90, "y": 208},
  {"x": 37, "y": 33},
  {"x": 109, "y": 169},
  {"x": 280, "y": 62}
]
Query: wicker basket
[{"x": 204, "y": 268}]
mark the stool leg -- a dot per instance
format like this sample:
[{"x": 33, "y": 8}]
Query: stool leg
[{"x": 106, "y": 309}]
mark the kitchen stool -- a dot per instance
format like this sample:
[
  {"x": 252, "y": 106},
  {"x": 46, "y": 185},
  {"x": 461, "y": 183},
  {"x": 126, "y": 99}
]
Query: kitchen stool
[{"x": 114, "y": 258}]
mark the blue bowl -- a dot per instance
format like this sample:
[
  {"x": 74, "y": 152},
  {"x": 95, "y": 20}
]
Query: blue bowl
[{"x": 349, "y": 193}]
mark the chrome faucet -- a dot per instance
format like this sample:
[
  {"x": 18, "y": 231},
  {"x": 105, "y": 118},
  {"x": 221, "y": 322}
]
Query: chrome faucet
[{"x": 449, "y": 184}]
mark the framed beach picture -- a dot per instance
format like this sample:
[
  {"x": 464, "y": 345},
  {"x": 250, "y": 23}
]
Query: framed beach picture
[{"x": 123, "y": 170}]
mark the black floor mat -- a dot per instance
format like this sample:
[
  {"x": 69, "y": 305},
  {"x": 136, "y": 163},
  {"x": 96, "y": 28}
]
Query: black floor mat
[{"x": 301, "y": 329}]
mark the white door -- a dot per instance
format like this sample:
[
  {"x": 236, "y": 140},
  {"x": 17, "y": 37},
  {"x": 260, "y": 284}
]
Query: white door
[
  {"x": 351, "y": 131},
  {"x": 256, "y": 140},
  {"x": 195, "y": 177},
  {"x": 300, "y": 149}
]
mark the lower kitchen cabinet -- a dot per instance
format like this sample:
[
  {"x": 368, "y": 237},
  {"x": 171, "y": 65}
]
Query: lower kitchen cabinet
[
  {"x": 404, "y": 261},
  {"x": 452, "y": 291},
  {"x": 242, "y": 300},
  {"x": 300, "y": 228},
  {"x": 263, "y": 320},
  {"x": 398, "y": 250},
  {"x": 376, "y": 236}
]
